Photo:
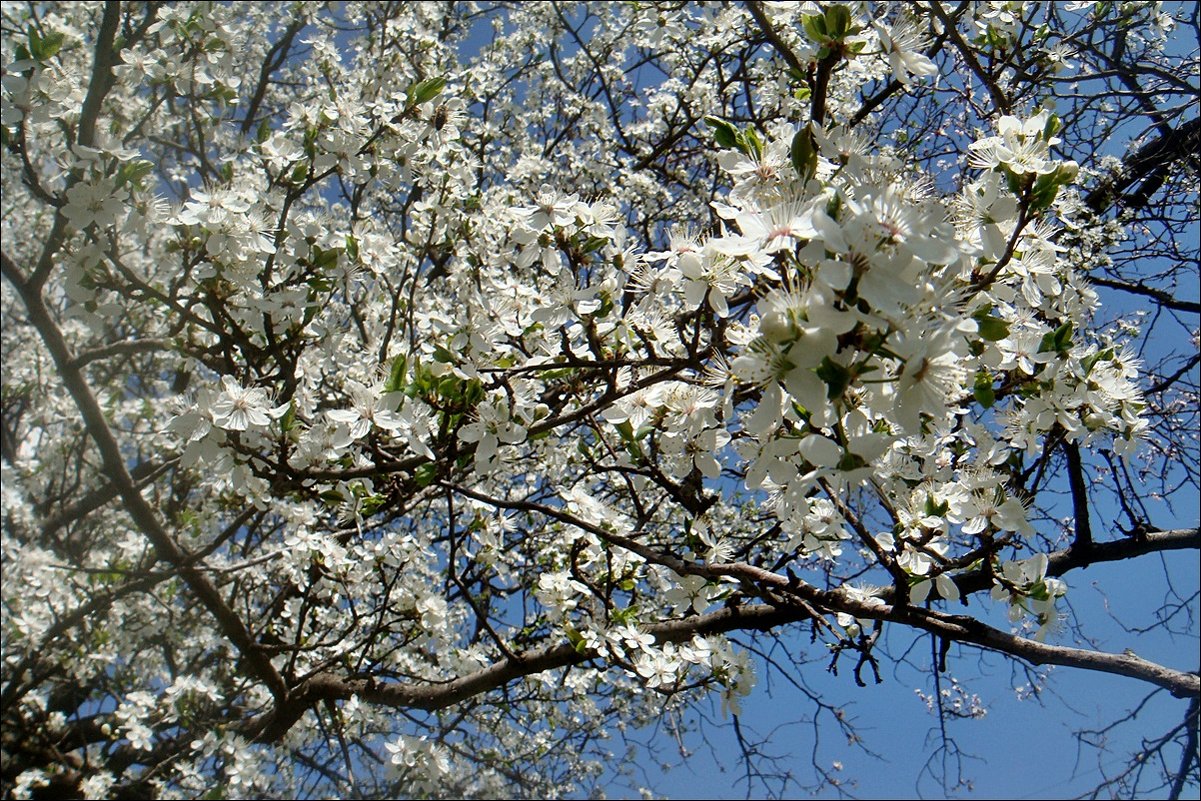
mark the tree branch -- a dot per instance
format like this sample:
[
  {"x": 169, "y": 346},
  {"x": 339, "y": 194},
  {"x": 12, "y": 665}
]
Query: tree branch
[
  {"x": 1183, "y": 142},
  {"x": 139, "y": 510},
  {"x": 1083, "y": 543},
  {"x": 1161, "y": 297}
]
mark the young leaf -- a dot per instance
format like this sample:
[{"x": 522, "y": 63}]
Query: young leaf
[
  {"x": 991, "y": 329},
  {"x": 815, "y": 28},
  {"x": 752, "y": 145},
  {"x": 396, "y": 376},
  {"x": 132, "y": 172},
  {"x": 424, "y": 91},
  {"x": 725, "y": 134},
  {"x": 983, "y": 390},
  {"x": 838, "y": 21},
  {"x": 836, "y": 377},
  {"x": 44, "y": 48},
  {"x": 804, "y": 153},
  {"x": 1057, "y": 341}
]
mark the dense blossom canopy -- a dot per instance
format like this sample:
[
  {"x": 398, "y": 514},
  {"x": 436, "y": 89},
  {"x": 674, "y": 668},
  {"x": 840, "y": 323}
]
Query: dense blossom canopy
[{"x": 405, "y": 399}]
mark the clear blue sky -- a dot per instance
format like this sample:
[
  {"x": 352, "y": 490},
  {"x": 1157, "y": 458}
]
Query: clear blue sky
[{"x": 1022, "y": 749}]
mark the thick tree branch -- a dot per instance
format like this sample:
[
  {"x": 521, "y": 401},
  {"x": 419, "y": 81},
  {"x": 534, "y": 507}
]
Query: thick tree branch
[
  {"x": 1080, "y": 506},
  {"x": 1161, "y": 297},
  {"x": 98, "y": 87},
  {"x": 770, "y": 33},
  {"x": 114, "y": 465},
  {"x": 1062, "y": 562},
  {"x": 1144, "y": 165},
  {"x": 793, "y": 600},
  {"x": 958, "y": 628},
  {"x": 102, "y": 73},
  {"x": 950, "y": 25},
  {"x": 431, "y": 697}
]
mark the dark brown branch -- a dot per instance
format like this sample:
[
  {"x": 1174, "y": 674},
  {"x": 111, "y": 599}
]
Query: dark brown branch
[
  {"x": 1168, "y": 381},
  {"x": 1062, "y": 562},
  {"x": 274, "y": 58},
  {"x": 1144, "y": 165},
  {"x": 139, "y": 510},
  {"x": 769, "y": 32},
  {"x": 1161, "y": 297},
  {"x": 118, "y": 348},
  {"x": 431, "y": 697},
  {"x": 1188, "y": 755},
  {"x": 98, "y": 87},
  {"x": 1083, "y": 543},
  {"x": 999, "y": 98},
  {"x": 102, "y": 73}
]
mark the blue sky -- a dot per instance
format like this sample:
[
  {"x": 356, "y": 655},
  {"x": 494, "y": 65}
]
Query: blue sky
[{"x": 1020, "y": 749}]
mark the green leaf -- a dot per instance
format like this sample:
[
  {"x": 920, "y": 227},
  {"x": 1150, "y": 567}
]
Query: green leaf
[
  {"x": 1045, "y": 189},
  {"x": 443, "y": 355},
  {"x": 983, "y": 390},
  {"x": 288, "y": 421},
  {"x": 838, "y": 21},
  {"x": 815, "y": 27},
  {"x": 993, "y": 329},
  {"x": 324, "y": 259},
  {"x": 1091, "y": 361},
  {"x": 804, "y": 153},
  {"x": 425, "y": 474},
  {"x": 132, "y": 172},
  {"x": 1057, "y": 341},
  {"x": 1063, "y": 337},
  {"x": 593, "y": 244},
  {"x": 1012, "y": 179},
  {"x": 319, "y": 284},
  {"x": 851, "y": 461},
  {"x": 725, "y": 134},
  {"x": 836, "y": 377},
  {"x": 352, "y": 247},
  {"x": 43, "y": 48},
  {"x": 424, "y": 91},
  {"x": 450, "y": 388},
  {"x": 372, "y": 503},
  {"x": 752, "y": 145},
  {"x": 576, "y": 640},
  {"x": 396, "y": 375},
  {"x": 1052, "y": 127},
  {"x": 936, "y": 509},
  {"x": 263, "y": 133},
  {"x": 1044, "y": 192}
]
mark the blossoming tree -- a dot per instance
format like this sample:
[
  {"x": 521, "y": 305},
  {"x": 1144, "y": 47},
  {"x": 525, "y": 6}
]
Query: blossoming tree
[{"x": 405, "y": 399}]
